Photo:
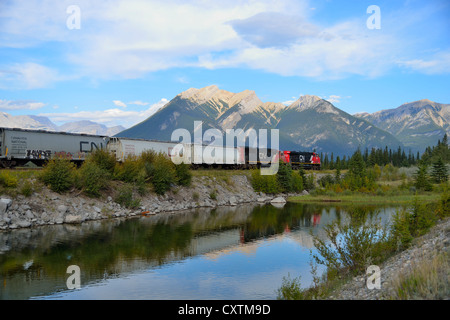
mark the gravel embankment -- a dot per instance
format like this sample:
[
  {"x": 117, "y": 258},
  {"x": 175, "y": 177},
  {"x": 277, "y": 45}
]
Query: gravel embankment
[{"x": 424, "y": 249}]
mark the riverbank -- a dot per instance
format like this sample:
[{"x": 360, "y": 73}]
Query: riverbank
[
  {"x": 420, "y": 272},
  {"x": 365, "y": 198},
  {"x": 46, "y": 207}
]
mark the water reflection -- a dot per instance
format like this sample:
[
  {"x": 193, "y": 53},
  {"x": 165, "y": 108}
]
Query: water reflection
[{"x": 224, "y": 253}]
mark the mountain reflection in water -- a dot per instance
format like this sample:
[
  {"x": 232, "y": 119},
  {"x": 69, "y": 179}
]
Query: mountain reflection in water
[{"x": 238, "y": 252}]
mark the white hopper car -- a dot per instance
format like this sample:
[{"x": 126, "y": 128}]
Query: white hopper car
[
  {"x": 19, "y": 146},
  {"x": 195, "y": 154}
]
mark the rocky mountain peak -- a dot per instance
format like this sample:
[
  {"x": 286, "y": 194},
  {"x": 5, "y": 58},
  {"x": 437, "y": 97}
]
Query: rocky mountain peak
[
  {"x": 247, "y": 101},
  {"x": 305, "y": 102},
  {"x": 200, "y": 96}
]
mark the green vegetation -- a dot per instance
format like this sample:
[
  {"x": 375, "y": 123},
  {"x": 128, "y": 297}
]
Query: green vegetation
[
  {"x": 380, "y": 177},
  {"x": 286, "y": 180},
  {"x": 125, "y": 197},
  {"x": 8, "y": 180},
  {"x": 429, "y": 280},
  {"x": 396, "y": 158},
  {"x": 101, "y": 173},
  {"x": 59, "y": 175},
  {"x": 351, "y": 246}
]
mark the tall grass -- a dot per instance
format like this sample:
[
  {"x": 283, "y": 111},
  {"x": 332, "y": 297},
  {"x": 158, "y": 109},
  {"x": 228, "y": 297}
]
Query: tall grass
[{"x": 428, "y": 280}]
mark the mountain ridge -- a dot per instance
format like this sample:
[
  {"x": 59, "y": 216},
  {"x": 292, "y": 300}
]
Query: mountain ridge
[
  {"x": 416, "y": 124},
  {"x": 33, "y": 122},
  {"x": 310, "y": 122}
]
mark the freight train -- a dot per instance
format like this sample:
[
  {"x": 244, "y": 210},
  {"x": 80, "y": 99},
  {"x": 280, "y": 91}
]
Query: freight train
[{"x": 20, "y": 146}]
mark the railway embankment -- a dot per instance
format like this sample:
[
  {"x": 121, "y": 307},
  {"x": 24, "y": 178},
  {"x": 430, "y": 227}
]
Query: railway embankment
[{"x": 45, "y": 207}]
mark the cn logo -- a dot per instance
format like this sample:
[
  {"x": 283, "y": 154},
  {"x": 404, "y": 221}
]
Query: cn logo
[{"x": 74, "y": 280}]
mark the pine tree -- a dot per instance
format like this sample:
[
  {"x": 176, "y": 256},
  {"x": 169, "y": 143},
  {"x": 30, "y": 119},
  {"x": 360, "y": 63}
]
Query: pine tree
[
  {"x": 422, "y": 180},
  {"x": 439, "y": 171}
]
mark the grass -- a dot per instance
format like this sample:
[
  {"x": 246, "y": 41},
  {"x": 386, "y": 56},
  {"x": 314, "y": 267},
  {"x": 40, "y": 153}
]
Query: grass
[
  {"x": 219, "y": 173},
  {"x": 364, "y": 198},
  {"x": 428, "y": 280}
]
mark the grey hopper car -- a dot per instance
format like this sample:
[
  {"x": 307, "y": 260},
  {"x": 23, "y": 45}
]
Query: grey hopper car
[{"x": 19, "y": 146}]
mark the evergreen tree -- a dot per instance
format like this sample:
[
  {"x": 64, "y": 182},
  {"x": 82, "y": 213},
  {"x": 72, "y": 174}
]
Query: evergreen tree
[
  {"x": 284, "y": 176},
  {"x": 422, "y": 181},
  {"x": 337, "y": 177},
  {"x": 439, "y": 171}
]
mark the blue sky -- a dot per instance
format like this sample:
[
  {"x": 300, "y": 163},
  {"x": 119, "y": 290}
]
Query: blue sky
[{"x": 126, "y": 59}]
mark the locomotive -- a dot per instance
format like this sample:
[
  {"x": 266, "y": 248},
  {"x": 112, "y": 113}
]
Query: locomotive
[{"x": 20, "y": 146}]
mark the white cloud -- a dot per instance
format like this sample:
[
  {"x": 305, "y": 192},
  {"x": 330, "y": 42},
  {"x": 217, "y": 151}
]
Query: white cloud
[
  {"x": 109, "y": 117},
  {"x": 28, "y": 75},
  {"x": 277, "y": 36},
  {"x": 335, "y": 98},
  {"x": 436, "y": 64},
  {"x": 20, "y": 105},
  {"x": 139, "y": 103},
  {"x": 119, "y": 103},
  {"x": 290, "y": 101}
]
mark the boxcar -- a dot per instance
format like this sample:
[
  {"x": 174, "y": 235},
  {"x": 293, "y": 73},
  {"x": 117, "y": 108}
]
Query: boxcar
[{"x": 19, "y": 146}]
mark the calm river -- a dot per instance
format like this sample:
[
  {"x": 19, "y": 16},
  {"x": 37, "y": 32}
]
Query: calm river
[{"x": 226, "y": 253}]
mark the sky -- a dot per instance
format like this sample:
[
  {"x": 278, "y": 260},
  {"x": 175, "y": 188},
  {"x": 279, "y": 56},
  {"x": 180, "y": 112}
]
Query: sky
[{"x": 117, "y": 62}]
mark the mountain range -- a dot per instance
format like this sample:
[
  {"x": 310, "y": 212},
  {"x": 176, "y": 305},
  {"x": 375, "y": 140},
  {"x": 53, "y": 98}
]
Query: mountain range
[
  {"x": 44, "y": 123},
  {"x": 416, "y": 124},
  {"x": 310, "y": 123}
]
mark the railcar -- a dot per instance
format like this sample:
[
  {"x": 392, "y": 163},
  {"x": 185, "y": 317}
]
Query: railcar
[
  {"x": 20, "y": 146},
  {"x": 257, "y": 157},
  {"x": 126, "y": 147},
  {"x": 200, "y": 155}
]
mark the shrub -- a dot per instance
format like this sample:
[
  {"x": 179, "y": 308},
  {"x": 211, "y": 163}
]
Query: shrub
[
  {"x": 27, "y": 189},
  {"x": 411, "y": 222},
  {"x": 309, "y": 183},
  {"x": 443, "y": 207},
  {"x": 350, "y": 247},
  {"x": 291, "y": 289},
  {"x": 125, "y": 197},
  {"x": 162, "y": 173},
  {"x": 400, "y": 234},
  {"x": 128, "y": 170},
  {"x": 267, "y": 184},
  {"x": 8, "y": 180},
  {"x": 297, "y": 182},
  {"x": 93, "y": 178},
  {"x": 58, "y": 174},
  {"x": 103, "y": 159},
  {"x": 326, "y": 180},
  {"x": 183, "y": 174}
]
